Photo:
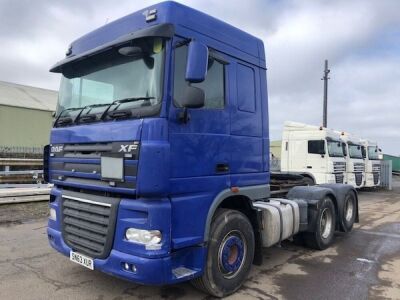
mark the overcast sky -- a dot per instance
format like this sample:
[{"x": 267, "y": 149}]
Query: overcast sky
[{"x": 360, "y": 38}]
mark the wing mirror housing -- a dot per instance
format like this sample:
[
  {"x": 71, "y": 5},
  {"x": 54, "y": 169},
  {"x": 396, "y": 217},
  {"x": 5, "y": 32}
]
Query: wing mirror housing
[
  {"x": 194, "y": 98},
  {"x": 197, "y": 62}
]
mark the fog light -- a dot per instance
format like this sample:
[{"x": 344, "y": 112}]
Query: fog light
[
  {"x": 144, "y": 237},
  {"x": 126, "y": 266},
  {"x": 129, "y": 267},
  {"x": 53, "y": 214}
]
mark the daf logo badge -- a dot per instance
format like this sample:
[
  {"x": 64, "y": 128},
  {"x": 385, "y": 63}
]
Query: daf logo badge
[
  {"x": 150, "y": 15},
  {"x": 57, "y": 149}
]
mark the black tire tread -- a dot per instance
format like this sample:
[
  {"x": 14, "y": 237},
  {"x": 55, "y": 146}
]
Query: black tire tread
[
  {"x": 201, "y": 283},
  {"x": 311, "y": 238}
]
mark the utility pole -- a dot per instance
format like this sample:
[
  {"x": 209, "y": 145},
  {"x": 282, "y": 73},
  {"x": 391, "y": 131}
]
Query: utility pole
[{"x": 325, "y": 79}]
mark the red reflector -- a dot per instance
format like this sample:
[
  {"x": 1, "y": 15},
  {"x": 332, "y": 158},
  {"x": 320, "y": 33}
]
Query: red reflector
[{"x": 235, "y": 189}]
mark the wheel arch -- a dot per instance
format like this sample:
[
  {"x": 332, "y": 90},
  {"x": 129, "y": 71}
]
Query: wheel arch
[
  {"x": 313, "y": 195},
  {"x": 337, "y": 193},
  {"x": 241, "y": 200},
  {"x": 309, "y": 175}
]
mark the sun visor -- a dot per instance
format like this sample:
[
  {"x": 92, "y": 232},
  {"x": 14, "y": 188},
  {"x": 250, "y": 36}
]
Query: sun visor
[{"x": 162, "y": 30}]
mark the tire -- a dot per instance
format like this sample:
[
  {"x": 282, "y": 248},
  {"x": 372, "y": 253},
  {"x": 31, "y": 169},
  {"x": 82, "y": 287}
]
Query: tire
[
  {"x": 323, "y": 236},
  {"x": 230, "y": 254},
  {"x": 349, "y": 211},
  {"x": 298, "y": 239},
  {"x": 308, "y": 181}
]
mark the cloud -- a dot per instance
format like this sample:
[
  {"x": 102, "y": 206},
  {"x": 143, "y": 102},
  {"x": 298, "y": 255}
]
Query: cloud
[{"x": 360, "y": 38}]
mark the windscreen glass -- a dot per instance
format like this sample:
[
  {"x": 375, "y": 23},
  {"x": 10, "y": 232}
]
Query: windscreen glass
[
  {"x": 355, "y": 151},
  {"x": 130, "y": 71},
  {"x": 373, "y": 152},
  {"x": 335, "y": 148}
]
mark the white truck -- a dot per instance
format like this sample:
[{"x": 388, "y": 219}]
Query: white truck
[
  {"x": 313, "y": 152},
  {"x": 372, "y": 163},
  {"x": 355, "y": 166}
]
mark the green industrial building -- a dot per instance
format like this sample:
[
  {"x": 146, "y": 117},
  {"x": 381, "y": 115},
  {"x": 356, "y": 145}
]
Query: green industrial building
[
  {"x": 395, "y": 162},
  {"x": 25, "y": 116}
]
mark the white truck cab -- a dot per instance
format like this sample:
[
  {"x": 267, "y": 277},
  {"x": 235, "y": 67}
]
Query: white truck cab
[
  {"x": 314, "y": 152},
  {"x": 355, "y": 166},
  {"x": 372, "y": 163}
]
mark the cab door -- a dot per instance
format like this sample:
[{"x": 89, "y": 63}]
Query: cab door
[{"x": 200, "y": 147}]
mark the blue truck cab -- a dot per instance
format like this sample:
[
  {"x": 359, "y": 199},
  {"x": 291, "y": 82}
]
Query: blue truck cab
[{"x": 160, "y": 150}]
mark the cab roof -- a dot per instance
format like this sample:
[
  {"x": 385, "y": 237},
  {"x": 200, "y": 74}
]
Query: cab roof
[{"x": 184, "y": 19}]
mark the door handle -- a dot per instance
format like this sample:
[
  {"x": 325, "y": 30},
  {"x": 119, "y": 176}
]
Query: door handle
[
  {"x": 309, "y": 167},
  {"x": 222, "y": 168}
]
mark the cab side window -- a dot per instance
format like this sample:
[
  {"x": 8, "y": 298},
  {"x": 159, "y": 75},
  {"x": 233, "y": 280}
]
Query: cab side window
[
  {"x": 213, "y": 85},
  {"x": 316, "y": 147}
]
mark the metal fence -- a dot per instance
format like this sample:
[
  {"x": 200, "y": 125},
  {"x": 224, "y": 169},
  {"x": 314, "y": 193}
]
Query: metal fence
[
  {"x": 386, "y": 174},
  {"x": 21, "y": 152}
]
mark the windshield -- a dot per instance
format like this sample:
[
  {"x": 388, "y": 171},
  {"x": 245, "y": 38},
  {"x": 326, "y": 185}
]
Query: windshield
[
  {"x": 373, "y": 152},
  {"x": 355, "y": 151},
  {"x": 335, "y": 148},
  {"x": 130, "y": 71}
]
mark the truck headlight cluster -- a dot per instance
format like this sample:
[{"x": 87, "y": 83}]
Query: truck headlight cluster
[{"x": 144, "y": 237}]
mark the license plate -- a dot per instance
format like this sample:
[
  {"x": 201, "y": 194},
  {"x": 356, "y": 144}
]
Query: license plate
[{"x": 81, "y": 259}]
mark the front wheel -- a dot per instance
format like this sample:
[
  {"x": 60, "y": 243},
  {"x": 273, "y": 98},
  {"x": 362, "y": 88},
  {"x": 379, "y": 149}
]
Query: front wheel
[{"x": 230, "y": 254}]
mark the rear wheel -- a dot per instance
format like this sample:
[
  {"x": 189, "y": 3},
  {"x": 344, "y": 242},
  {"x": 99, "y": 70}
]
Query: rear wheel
[
  {"x": 349, "y": 211},
  {"x": 230, "y": 254},
  {"x": 323, "y": 235}
]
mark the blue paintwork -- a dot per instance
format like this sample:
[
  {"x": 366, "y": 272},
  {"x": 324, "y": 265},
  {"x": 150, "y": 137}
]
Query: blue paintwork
[{"x": 177, "y": 180}]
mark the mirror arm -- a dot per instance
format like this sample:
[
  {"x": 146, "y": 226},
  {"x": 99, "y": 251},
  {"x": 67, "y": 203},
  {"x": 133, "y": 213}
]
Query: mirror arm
[{"x": 184, "y": 116}]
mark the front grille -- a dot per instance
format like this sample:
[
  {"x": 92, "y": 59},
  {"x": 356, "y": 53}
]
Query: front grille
[
  {"x": 359, "y": 178},
  {"x": 376, "y": 178},
  {"x": 376, "y": 168},
  {"x": 79, "y": 165},
  {"x": 358, "y": 167},
  {"x": 339, "y": 167},
  {"x": 339, "y": 178},
  {"x": 88, "y": 223}
]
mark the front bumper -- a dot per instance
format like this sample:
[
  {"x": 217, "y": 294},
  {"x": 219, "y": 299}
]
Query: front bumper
[
  {"x": 369, "y": 180},
  {"x": 179, "y": 266},
  {"x": 352, "y": 180}
]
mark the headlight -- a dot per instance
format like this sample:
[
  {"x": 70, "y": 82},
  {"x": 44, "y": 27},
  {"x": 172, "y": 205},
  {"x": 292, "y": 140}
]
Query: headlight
[
  {"x": 53, "y": 214},
  {"x": 144, "y": 237}
]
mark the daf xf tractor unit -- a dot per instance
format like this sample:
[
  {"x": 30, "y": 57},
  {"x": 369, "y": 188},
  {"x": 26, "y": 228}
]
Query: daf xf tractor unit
[
  {"x": 355, "y": 166},
  {"x": 159, "y": 155},
  {"x": 372, "y": 164},
  {"x": 313, "y": 152}
]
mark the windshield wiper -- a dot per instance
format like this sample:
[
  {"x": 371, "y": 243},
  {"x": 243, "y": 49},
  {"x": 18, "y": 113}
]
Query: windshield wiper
[
  {"x": 69, "y": 119},
  {"x": 121, "y": 101},
  {"x": 89, "y": 106}
]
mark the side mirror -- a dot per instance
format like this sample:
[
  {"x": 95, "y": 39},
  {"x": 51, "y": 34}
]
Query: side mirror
[
  {"x": 197, "y": 62},
  {"x": 193, "y": 97}
]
